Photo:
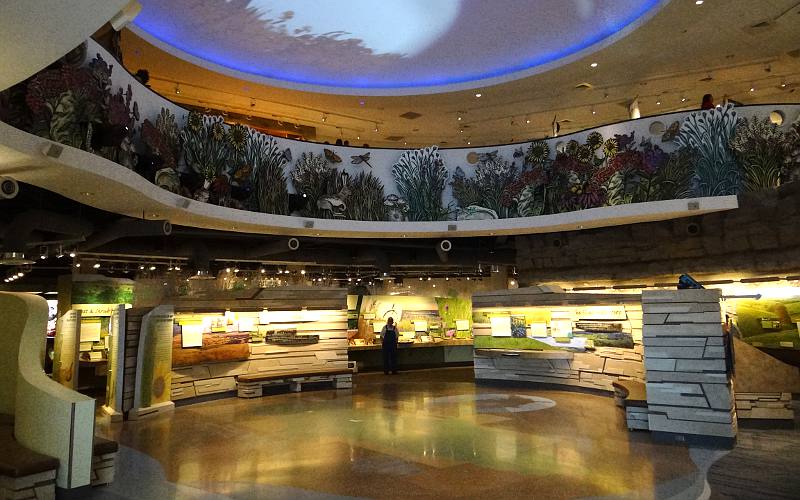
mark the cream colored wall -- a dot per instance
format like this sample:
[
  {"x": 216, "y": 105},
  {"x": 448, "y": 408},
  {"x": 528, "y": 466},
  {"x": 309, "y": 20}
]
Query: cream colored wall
[{"x": 49, "y": 418}]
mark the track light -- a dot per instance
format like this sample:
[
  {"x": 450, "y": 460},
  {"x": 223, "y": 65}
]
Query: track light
[
  {"x": 153, "y": 267},
  {"x": 177, "y": 268},
  {"x": 177, "y": 88},
  {"x": 43, "y": 252},
  {"x": 96, "y": 265},
  {"x": 72, "y": 254},
  {"x": 141, "y": 267}
]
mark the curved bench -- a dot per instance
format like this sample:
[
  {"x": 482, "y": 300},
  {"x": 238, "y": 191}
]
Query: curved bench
[
  {"x": 24, "y": 473},
  {"x": 632, "y": 396},
  {"x": 251, "y": 385}
]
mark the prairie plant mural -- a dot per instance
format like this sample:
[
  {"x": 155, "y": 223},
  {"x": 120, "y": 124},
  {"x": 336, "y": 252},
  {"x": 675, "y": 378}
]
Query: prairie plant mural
[
  {"x": 704, "y": 153},
  {"x": 421, "y": 177}
]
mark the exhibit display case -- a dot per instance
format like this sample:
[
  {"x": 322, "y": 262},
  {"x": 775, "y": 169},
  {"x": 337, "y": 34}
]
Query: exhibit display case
[
  {"x": 285, "y": 330},
  {"x": 87, "y": 352},
  {"x": 544, "y": 335},
  {"x": 433, "y": 331}
]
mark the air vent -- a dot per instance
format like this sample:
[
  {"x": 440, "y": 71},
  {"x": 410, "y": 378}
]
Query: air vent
[
  {"x": 584, "y": 86},
  {"x": 411, "y": 115},
  {"x": 394, "y": 137}
]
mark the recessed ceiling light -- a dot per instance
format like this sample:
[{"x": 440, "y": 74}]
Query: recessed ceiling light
[
  {"x": 658, "y": 103},
  {"x": 478, "y": 94},
  {"x": 683, "y": 99},
  {"x": 752, "y": 89},
  {"x": 527, "y": 120},
  {"x": 459, "y": 118},
  {"x": 593, "y": 65},
  {"x": 698, "y": 2},
  {"x": 783, "y": 85}
]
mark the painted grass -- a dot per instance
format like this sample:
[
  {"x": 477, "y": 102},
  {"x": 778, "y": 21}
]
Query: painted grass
[{"x": 488, "y": 342}]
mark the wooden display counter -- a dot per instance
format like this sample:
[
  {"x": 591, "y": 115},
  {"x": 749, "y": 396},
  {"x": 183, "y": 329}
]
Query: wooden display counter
[{"x": 453, "y": 352}]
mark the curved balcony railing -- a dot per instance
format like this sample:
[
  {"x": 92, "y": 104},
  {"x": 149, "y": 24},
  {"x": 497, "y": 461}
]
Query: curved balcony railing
[{"x": 153, "y": 157}]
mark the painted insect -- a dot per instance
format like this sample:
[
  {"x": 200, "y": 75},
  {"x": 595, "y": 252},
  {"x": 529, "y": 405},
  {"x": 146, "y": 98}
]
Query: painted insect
[
  {"x": 287, "y": 153},
  {"x": 672, "y": 132},
  {"x": 332, "y": 157},
  {"x": 519, "y": 152},
  {"x": 358, "y": 159}
]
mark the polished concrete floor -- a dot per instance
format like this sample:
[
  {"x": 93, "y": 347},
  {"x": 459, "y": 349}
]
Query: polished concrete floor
[{"x": 425, "y": 434}]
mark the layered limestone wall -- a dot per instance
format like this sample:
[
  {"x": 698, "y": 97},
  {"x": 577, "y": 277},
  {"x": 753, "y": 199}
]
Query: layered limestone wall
[
  {"x": 689, "y": 389},
  {"x": 589, "y": 370}
]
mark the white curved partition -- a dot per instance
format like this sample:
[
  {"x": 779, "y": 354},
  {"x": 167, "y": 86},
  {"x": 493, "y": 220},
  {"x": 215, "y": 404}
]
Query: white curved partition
[
  {"x": 35, "y": 33},
  {"x": 49, "y": 418}
]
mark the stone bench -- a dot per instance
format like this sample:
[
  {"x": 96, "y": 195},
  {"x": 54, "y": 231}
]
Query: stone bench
[
  {"x": 104, "y": 455},
  {"x": 632, "y": 396},
  {"x": 251, "y": 385},
  {"x": 24, "y": 473}
]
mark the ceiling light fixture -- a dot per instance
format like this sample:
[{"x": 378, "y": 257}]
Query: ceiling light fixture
[
  {"x": 376, "y": 127},
  {"x": 683, "y": 99},
  {"x": 96, "y": 265},
  {"x": 478, "y": 94},
  {"x": 658, "y": 103},
  {"x": 752, "y": 89},
  {"x": 177, "y": 88},
  {"x": 698, "y": 2},
  {"x": 593, "y": 65},
  {"x": 77, "y": 264},
  {"x": 324, "y": 118}
]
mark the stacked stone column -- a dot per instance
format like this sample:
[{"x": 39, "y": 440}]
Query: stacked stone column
[{"x": 689, "y": 391}]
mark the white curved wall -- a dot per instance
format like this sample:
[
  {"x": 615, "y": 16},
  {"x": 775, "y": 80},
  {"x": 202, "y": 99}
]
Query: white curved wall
[{"x": 35, "y": 33}]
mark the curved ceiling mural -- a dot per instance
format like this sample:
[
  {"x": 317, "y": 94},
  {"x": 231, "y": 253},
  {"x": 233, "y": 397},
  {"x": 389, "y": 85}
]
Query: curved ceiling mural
[{"x": 387, "y": 47}]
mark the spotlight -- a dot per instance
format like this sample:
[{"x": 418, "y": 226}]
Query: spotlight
[
  {"x": 72, "y": 254},
  {"x": 236, "y": 269},
  {"x": 96, "y": 265},
  {"x": 420, "y": 278},
  {"x": 177, "y": 88},
  {"x": 593, "y": 65},
  {"x": 478, "y": 94},
  {"x": 303, "y": 271},
  {"x": 20, "y": 274},
  {"x": 153, "y": 267},
  {"x": 177, "y": 268},
  {"x": 43, "y": 252},
  {"x": 227, "y": 269},
  {"x": 263, "y": 271},
  {"x": 77, "y": 264},
  {"x": 141, "y": 267}
]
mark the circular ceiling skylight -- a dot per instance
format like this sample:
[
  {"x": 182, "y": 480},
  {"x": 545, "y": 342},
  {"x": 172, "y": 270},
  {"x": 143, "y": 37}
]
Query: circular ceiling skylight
[{"x": 386, "y": 46}]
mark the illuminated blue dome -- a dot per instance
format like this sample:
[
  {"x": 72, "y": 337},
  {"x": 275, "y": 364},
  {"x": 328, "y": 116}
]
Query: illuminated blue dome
[{"x": 386, "y": 46}]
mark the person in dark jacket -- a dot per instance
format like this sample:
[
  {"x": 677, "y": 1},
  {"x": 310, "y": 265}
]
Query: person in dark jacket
[{"x": 389, "y": 337}]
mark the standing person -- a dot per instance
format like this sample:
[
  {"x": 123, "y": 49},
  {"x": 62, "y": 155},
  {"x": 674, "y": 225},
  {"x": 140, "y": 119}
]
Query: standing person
[
  {"x": 389, "y": 345},
  {"x": 708, "y": 102}
]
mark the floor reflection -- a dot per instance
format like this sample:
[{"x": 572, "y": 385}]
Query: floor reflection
[{"x": 421, "y": 434}]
